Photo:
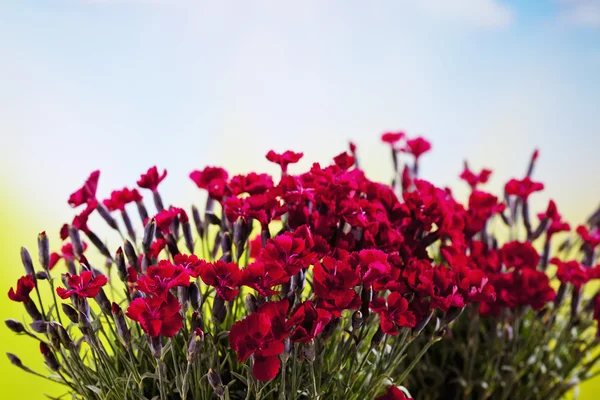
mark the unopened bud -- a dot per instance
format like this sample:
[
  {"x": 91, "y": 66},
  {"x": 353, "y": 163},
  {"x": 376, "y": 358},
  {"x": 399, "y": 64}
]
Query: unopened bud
[
  {"x": 39, "y": 326},
  {"x": 198, "y": 222},
  {"x": 121, "y": 267},
  {"x": 132, "y": 257},
  {"x": 186, "y": 227},
  {"x": 52, "y": 334},
  {"x": 49, "y": 357},
  {"x": 330, "y": 328},
  {"x": 99, "y": 244},
  {"x": 44, "y": 250},
  {"x": 377, "y": 337},
  {"x": 452, "y": 314},
  {"x": 27, "y": 263},
  {"x": 423, "y": 323},
  {"x": 121, "y": 324},
  {"x": 32, "y": 310},
  {"x": 366, "y": 295},
  {"x": 103, "y": 301},
  {"x": 15, "y": 325},
  {"x": 357, "y": 320},
  {"x": 149, "y": 232},
  {"x": 14, "y": 360},
  {"x": 196, "y": 322},
  {"x": 106, "y": 216},
  {"x": 197, "y": 338},
  {"x": 251, "y": 303},
  {"x": 219, "y": 311},
  {"x": 310, "y": 351},
  {"x": 70, "y": 312},
  {"x": 195, "y": 296},
  {"x": 41, "y": 275},
  {"x": 128, "y": 224},
  {"x": 142, "y": 210},
  {"x": 76, "y": 241},
  {"x": 183, "y": 296},
  {"x": 156, "y": 346},
  {"x": 215, "y": 382},
  {"x": 158, "y": 203}
]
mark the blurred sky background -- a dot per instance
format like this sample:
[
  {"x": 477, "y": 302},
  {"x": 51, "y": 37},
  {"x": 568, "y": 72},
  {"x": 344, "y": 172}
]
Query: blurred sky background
[{"x": 122, "y": 85}]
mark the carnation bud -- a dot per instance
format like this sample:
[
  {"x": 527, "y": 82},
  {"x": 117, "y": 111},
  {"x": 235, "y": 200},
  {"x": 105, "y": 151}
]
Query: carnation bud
[
  {"x": 186, "y": 228},
  {"x": 575, "y": 301},
  {"x": 251, "y": 303},
  {"x": 175, "y": 227},
  {"x": 136, "y": 294},
  {"x": 41, "y": 275},
  {"x": 330, "y": 328},
  {"x": 423, "y": 323},
  {"x": 106, "y": 216},
  {"x": 76, "y": 241},
  {"x": 146, "y": 262},
  {"x": 183, "y": 296},
  {"x": 32, "y": 310},
  {"x": 560, "y": 295},
  {"x": 197, "y": 338},
  {"x": 128, "y": 224},
  {"x": 219, "y": 311},
  {"x": 49, "y": 357},
  {"x": 65, "y": 339},
  {"x": 357, "y": 320},
  {"x": 215, "y": 382},
  {"x": 85, "y": 325},
  {"x": 452, "y": 314},
  {"x": 377, "y": 337},
  {"x": 366, "y": 296},
  {"x": 14, "y": 360},
  {"x": 264, "y": 236},
  {"x": 132, "y": 258},
  {"x": 121, "y": 267},
  {"x": 99, "y": 244},
  {"x": 241, "y": 229},
  {"x": 149, "y": 232},
  {"x": 44, "y": 250},
  {"x": 27, "y": 263},
  {"x": 195, "y": 296},
  {"x": 196, "y": 322},
  {"x": 71, "y": 267},
  {"x": 52, "y": 334},
  {"x": 15, "y": 325},
  {"x": 198, "y": 222},
  {"x": 103, "y": 301},
  {"x": 39, "y": 326},
  {"x": 226, "y": 246},
  {"x": 142, "y": 210},
  {"x": 121, "y": 325},
  {"x": 70, "y": 312},
  {"x": 172, "y": 244},
  {"x": 298, "y": 282}
]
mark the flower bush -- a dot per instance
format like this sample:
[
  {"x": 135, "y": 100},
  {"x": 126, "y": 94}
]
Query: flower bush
[{"x": 321, "y": 285}]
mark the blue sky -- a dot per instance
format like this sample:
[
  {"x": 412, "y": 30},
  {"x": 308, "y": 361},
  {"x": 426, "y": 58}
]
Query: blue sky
[{"x": 123, "y": 85}]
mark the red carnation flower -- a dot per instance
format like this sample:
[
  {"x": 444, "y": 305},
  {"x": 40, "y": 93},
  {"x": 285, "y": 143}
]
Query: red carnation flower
[
  {"x": 191, "y": 263},
  {"x": 224, "y": 277},
  {"x": 307, "y": 322},
  {"x": 393, "y": 393},
  {"x": 80, "y": 221},
  {"x": 344, "y": 161},
  {"x": 590, "y": 237},
  {"x": 156, "y": 247},
  {"x": 151, "y": 179},
  {"x": 253, "y": 336},
  {"x": 252, "y": 183},
  {"x": 25, "y": 285},
  {"x": 284, "y": 159},
  {"x": 474, "y": 179},
  {"x": 417, "y": 147},
  {"x": 571, "y": 272},
  {"x": 263, "y": 277},
  {"x": 165, "y": 218},
  {"x": 393, "y": 314},
  {"x": 392, "y": 137},
  {"x": 161, "y": 278},
  {"x": 66, "y": 253},
  {"x": 522, "y": 188},
  {"x": 519, "y": 255},
  {"x": 156, "y": 315},
  {"x": 119, "y": 198},
  {"x": 87, "y": 192},
  {"x": 288, "y": 252},
  {"x": 277, "y": 312},
  {"x": 334, "y": 283},
  {"x": 84, "y": 285},
  {"x": 371, "y": 265},
  {"x": 209, "y": 177}
]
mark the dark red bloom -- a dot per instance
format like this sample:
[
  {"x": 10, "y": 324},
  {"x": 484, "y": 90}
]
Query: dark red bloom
[
  {"x": 119, "y": 198},
  {"x": 87, "y": 192},
  {"x": 590, "y": 237},
  {"x": 288, "y": 252},
  {"x": 392, "y": 137},
  {"x": 156, "y": 315},
  {"x": 156, "y": 247},
  {"x": 393, "y": 393},
  {"x": 191, "y": 263},
  {"x": 474, "y": 179},
  {"x": 252, "y": 183},
  {"x": 66, "y": 252},
  {"x": 253, "y": 336},
  {"x": 151, "y": 179},
  {"x": 284, "y": 159},
  {"x": 161, "y": 278},
  {"x": 255, "y": 247},
  {"x": 224, "y": 277},
  {"x": 165, "y": 218},
  {"x": 371, "y": 265},
  {"x": 417, "y": 147},
  {"x": 80, "y": 221},
  {"x": 264, "y": 277},
  {"x": 209, "y": 177},
  {"x": 334, "y": 283},
  {"x": 236, "y": 207},
  {"x": 482, "y": 206},
  {"x": 277, "y": 312},
  {"x": 25, "y": 285},
  {"x": 519, "y": 255},
  {"x": 551, "y": 212},
  {"x": 571, "y": 272},
  {"x": 344, "y": 161},
  {"x": 307, "y": 322},
  {"x": 83, "y": 285},
  {"x": 393, "y": 313},
  {"x": 522, "y": 188}
]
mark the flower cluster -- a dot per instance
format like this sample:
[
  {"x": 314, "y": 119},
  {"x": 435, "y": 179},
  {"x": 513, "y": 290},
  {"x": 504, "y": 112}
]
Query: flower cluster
[{"x": 318, "y": 283}]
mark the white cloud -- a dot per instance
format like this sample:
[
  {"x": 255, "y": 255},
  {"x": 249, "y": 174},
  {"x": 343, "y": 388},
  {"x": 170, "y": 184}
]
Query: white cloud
[
  {"x": 481, "y": 13},
  {"x": 580, "y": 12}
]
